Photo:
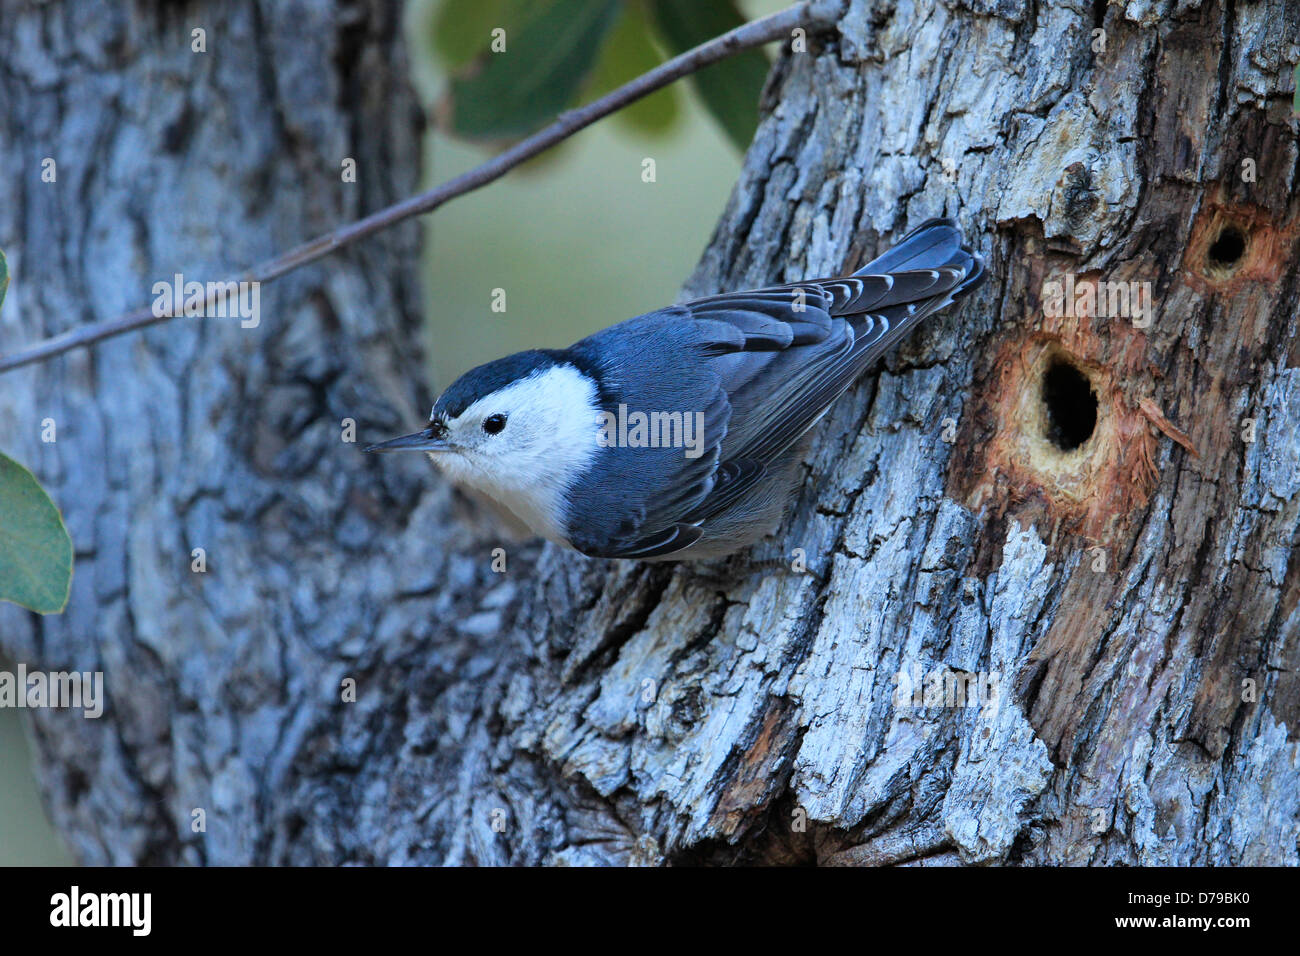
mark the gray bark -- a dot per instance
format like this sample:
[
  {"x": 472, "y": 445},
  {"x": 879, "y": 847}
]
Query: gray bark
[{"x": 1140, "y": 603}]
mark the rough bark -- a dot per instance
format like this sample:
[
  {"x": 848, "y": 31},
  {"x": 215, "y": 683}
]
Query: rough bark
[{"x": 1138, "y": 599}]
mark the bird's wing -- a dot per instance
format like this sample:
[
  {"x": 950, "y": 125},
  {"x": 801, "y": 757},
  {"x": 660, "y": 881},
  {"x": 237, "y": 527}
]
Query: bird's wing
[
  {"x": 764, "y": 366},
  {"x": 775, "y": 398},
  {"x": 657, "y": 544},
  {"x": 639, "y": 500}
]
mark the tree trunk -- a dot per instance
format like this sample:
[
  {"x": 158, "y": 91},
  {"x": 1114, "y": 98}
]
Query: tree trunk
[{"x": 1127, "y": 608}]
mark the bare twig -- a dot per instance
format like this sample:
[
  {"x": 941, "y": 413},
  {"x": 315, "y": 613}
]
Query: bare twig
[{"x": 766, "y": 30}]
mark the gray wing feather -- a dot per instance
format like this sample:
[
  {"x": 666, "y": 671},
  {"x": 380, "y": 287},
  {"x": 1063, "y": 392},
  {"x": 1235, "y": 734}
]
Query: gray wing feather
[
  {"x": 643, "y": 494},
  {"x": 771, "y": 361}
]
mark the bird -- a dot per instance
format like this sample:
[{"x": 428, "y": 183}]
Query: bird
[{"x": 678, "y": 435}]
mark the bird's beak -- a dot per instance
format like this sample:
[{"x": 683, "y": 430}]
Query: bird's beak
[{"x": 420, "y": 441}]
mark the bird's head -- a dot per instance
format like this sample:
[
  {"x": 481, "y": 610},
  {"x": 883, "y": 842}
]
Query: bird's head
[{"x": 520, "y": 429}]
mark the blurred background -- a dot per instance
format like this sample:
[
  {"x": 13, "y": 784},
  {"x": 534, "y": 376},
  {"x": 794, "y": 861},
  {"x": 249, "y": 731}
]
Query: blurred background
[{"x": 576, "y": 236}]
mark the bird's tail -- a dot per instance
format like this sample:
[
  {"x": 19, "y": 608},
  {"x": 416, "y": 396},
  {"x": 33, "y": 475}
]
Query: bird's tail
[
  {"x": 928, "y": 270},
  {"x": 934, "y": 244}
]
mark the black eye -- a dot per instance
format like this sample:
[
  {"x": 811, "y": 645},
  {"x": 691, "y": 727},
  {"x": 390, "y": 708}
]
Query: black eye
[{"x": 494, "y": 423}]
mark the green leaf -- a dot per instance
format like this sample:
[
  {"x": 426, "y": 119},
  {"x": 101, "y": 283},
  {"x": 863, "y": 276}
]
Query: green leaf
[
  {"x": 551, "y": 47},
  {"x": 461, "y": 28},
  {"x": 4, "y": 278},
  {"x": 35, "y": 550},
  {"x": 627, "y": 54},
  {"x": 731, "y": 88}
]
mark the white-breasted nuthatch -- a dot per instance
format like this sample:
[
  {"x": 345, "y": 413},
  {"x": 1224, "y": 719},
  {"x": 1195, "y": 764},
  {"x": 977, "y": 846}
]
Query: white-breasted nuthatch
[{"x": 678, "y": 434}]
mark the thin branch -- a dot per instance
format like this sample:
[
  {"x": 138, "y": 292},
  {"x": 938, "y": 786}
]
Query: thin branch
[{"x": 766, "y": 30}]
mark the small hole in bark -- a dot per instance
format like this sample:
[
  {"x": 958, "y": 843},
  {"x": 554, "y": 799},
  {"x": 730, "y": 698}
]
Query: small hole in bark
[
  {"x": 1071, "y": 406},
  {"x": 1227, "y": 249}
]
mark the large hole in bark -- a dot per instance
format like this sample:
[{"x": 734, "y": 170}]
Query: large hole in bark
[
  {"x": 1071, "y": 405},
  {"x": 1227, "y": 249}
]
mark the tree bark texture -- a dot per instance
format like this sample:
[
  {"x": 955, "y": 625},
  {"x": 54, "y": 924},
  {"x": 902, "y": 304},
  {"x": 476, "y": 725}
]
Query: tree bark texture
[{"x": 1137, "y": 596}]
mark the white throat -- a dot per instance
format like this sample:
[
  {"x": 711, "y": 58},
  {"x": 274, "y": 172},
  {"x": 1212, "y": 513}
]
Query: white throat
[{"x": 549, "y": 440}]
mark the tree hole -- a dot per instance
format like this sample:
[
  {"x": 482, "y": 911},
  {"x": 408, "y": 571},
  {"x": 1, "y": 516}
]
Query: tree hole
[
  {"x": 1071, "y": 405},
  {"x": 1227, "y": 249}
]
